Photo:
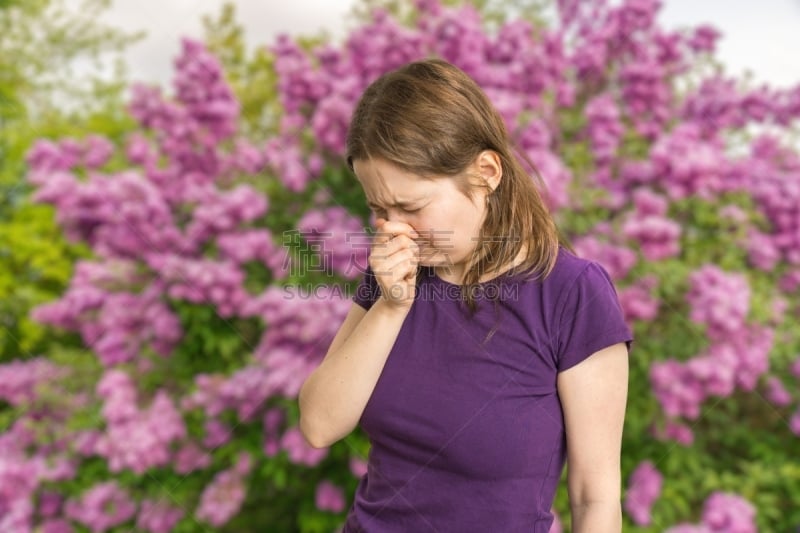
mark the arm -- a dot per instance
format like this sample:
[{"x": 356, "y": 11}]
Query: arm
[
  {"x": 593, "y": 395},
  {"x": 334, "y": 396}
]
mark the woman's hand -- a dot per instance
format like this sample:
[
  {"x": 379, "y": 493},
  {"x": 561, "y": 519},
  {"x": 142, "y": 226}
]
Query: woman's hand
[{"x": 394, "y": 259}]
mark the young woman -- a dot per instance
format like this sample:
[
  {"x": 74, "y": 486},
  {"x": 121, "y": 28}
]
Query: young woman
[{"x": 479, "y": 355}]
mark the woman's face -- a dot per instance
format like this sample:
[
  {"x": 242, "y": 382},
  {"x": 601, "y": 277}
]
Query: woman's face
[{"x": 447, "y": 222}]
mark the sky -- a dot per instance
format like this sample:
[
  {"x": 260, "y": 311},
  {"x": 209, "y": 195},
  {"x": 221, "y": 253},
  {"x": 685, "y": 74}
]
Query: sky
[{"x": 758, "y": 37}]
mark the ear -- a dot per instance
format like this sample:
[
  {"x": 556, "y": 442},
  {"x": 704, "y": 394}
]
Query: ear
[{"x": 489, "y": 167}]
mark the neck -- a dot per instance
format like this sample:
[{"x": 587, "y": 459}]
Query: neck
[
  {"x": 454, "y": 273},
  {"x": 450, "y": 273}
]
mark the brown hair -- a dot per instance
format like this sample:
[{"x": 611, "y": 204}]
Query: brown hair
[{"x": 431, "y": 119}]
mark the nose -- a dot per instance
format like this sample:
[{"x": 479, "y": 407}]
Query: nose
[{"x": 396, "y": 215}]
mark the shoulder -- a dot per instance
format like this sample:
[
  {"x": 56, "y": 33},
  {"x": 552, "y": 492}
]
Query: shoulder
[
  {"x": 569, "y": 269},
  {"x": 573, "y": 282}
]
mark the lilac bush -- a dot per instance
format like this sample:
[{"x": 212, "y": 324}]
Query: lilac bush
[{"x": 222, "y": 265}]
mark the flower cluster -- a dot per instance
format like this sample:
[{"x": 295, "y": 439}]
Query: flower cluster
[
  {"x": 102, "y": 507},
  {"x": 254, "y": 245},
  {"x": 202, "y": 281},
  {"x": 136, "y": 439},
  {"x": 685, "y": 164},
  {"x": 657, "y": 235},
  {"x": 771, "y": 175},
  {"x": 617, "y": 260},
  {"x": 46, "y": 157},
  {"x": 157, "y": 516},
  {"x": 117, "y": 324},
  {"x": 302, "y": 325},
  {"x": 329, "y": 497},
  {"x": 223, "y": 497},
  {"x": 718, "y": 299},
  {"x": 644, "y": 488},
  {"x": 342, "y": 240},
  {"x": 738, "y": 362},
  {"x": 19, "y": 380},
  {"x": 604, "y": 128},
  {"x": 722, "y": 512},
  {"x": 637, "y": 300},
  {"x": 285, "y": 158}
]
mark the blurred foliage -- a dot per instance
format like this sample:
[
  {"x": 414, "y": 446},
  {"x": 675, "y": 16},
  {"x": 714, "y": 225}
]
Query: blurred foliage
[
  {"x": 51, "y": 53},
  {"x": 493, "y": 12},
  {"x": 47, "y": 91},
  {"x": 249, "y": 74}
]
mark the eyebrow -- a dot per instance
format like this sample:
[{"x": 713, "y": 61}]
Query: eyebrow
[{"x": 398, "y": 204}]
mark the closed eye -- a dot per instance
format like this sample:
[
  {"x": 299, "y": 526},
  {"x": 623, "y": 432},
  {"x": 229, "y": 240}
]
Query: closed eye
[{"x": 379, "y": 211}]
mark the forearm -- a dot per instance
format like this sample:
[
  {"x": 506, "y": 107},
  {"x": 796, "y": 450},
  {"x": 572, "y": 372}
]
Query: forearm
[
  {"x": 334, "y": 396},
  {"x": 597, "y": 517}
]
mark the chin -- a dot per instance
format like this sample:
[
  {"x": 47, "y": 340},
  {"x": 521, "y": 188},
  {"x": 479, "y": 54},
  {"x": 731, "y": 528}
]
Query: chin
[
  {"x": 433, "y": 257},
  {"x": 435, "y": 261}
]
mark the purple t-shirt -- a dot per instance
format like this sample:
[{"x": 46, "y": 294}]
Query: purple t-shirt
[{"x": 467, "y": 436}]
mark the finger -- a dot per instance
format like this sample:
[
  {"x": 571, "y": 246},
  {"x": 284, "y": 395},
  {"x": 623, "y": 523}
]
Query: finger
[
  {"x": 381, "y": 236},
  {"x": 412, "y": 273},
  {"x": 394, "y": 265},
  {"x": 399, "y": 254},
  {"x": 394, "y": 238},
  {"x": 398, "y": 244},
  {"x": 401, "y": 267},
  {"x": 397, "y": 228}
]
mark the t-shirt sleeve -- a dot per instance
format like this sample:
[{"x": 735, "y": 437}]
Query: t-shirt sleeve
[
  {"x": 368, "y": 290},
  {"x": 591, "y": 318}
]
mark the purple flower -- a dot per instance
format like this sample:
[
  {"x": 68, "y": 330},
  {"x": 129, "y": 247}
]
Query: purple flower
[
  {"x": 658, "y": 237},
  {"x": 136, "y": 439},
  {"x": 704, "y": 39},
  {"x": 223, "y": 497},
  {"x": 762, "y": 251},
  {"x": 102, "y": 507},
  {"x": 556, "y": 526},
  {"x": 673, "y": 431},
  {"x": 729, "y": 513},
  {"x": 604, "y": 127},
  {"x": 329, "y": 497},
  {"x": 617, "y": 260},
  {"x": 794, "y": 368},
  {"x": 56, "y": 525},
  {"x": 644, "y": 488},
  {"x": 777, "y": 393},
  {"x": 358, "y": 467},
  {"x": 191, "y": 457},
  {"x": 794, "y": 422},
  {"x": 217, "y": 434},
  {"x": 97, "y": 152},
  {"x": 157, "y": 516},
  {"x": 637, "y": 300},
  {"x": 676, "y": 388},
  {"x": 341, "y": 239},
  {"x": 300, "y": 452},
  {"x": 20, "y": 380},
  {"x": 718, "y": 299}
]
